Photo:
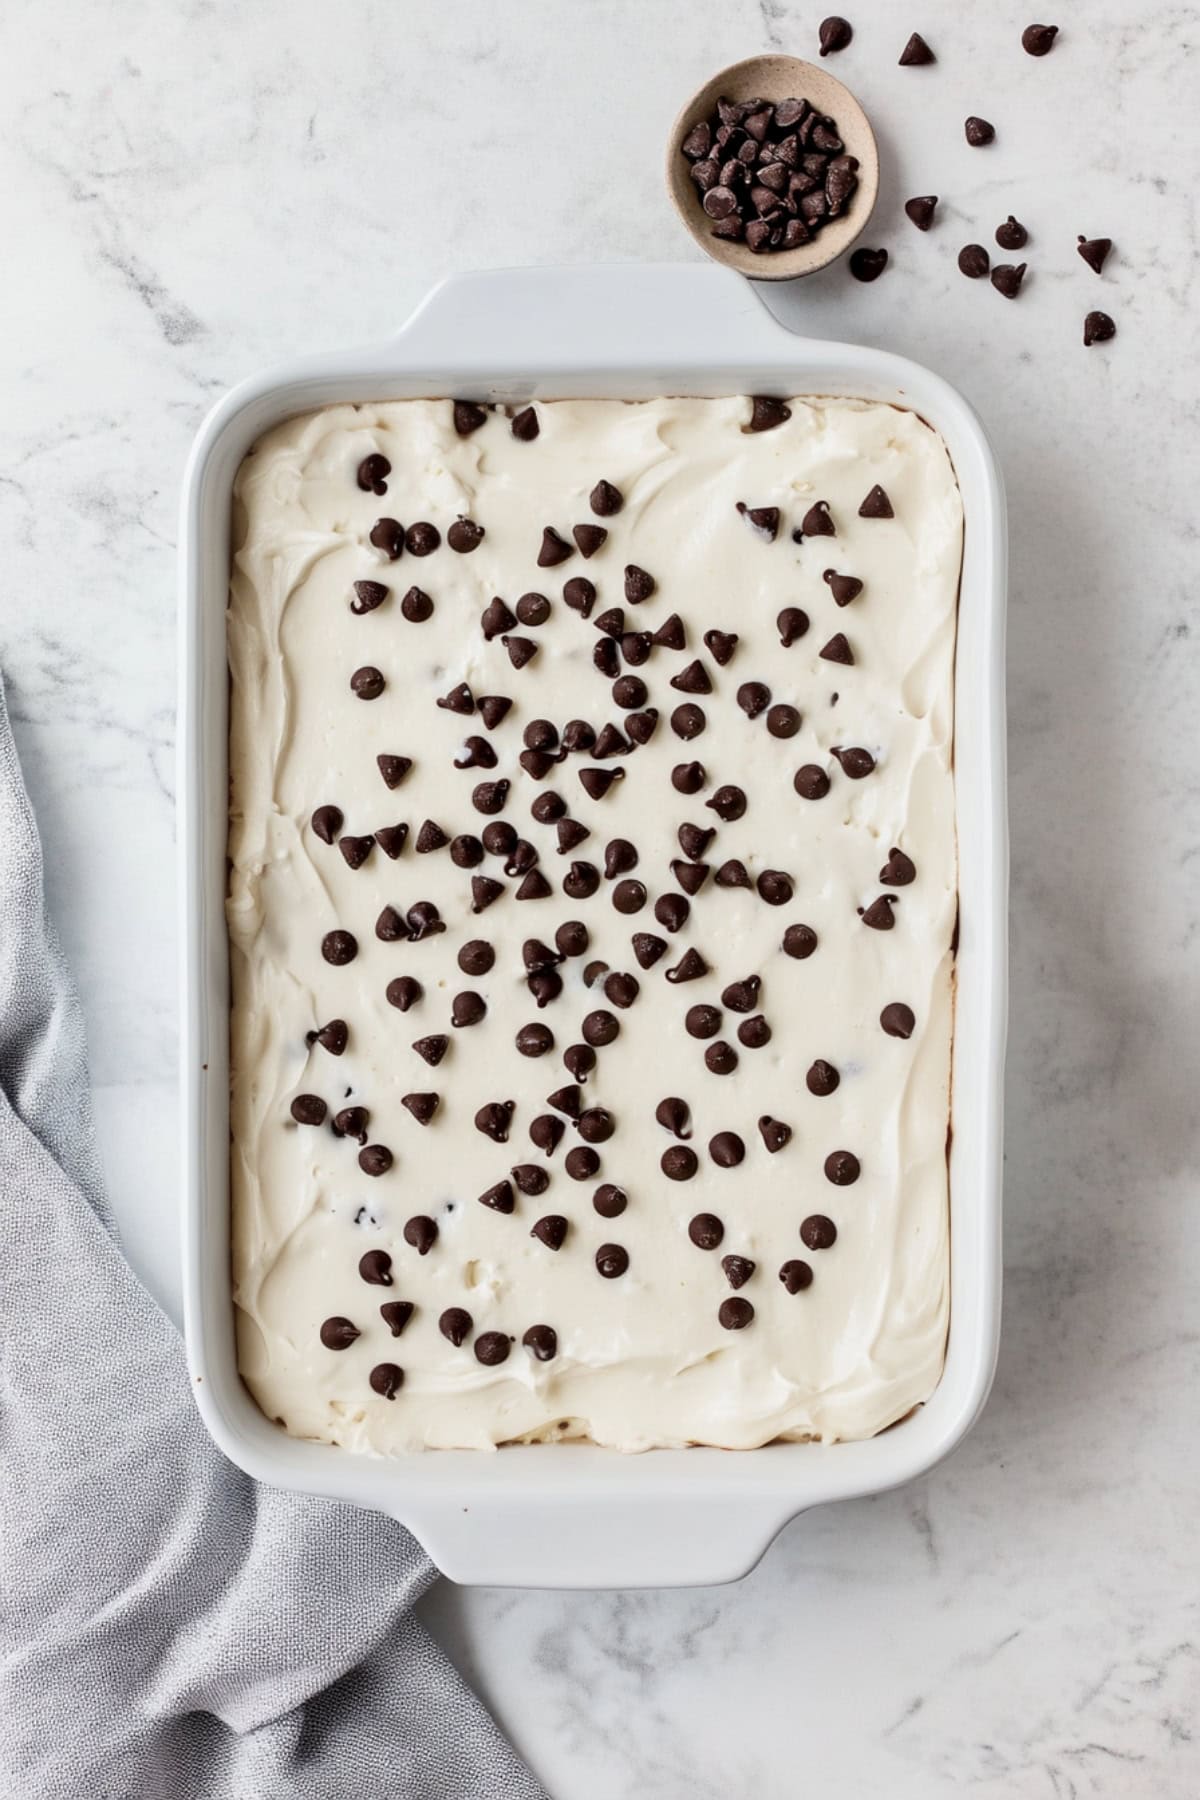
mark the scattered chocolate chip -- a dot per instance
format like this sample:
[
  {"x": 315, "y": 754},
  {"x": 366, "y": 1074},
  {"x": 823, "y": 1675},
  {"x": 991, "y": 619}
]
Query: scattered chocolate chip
[
  {"x": 568, "y": 1100},
  {"x": 581, "y": 880},
  {"x": 572, "y": 937},
  {"x": 490, "y": 797},
  {"x": 467, "y": 1009},
  {"x": 339, "y": 947},
  {"x": 899, "y": 870},
  {"x": 600, "y": 1028},
  {"x": 978, "y": 131},
  {"x": 494, "y": 1118},
  {"x": 702, "y": 1021},
  {"x": 431, "y": 1049},
  {"x": 309, "y": 1109},
  {"x": 735, "y": 1314},
  {"x": 373, "y": 472},
  {"x": 525, "y": 426},
  {"x": 533, "y": 609},
  {"x": 356, "y": 850},
  {"x": 688, "y": 778},
  {"x": 368, "y": 683},
  {"x": 375, "y": 1266},
  {"x": 648, "y": 948},
  {"x": 706, "y": 1231},
  {"x": 721, "y": 646},
  {"x": 822, "y": 1078},
  {"x": 594, "y": 972},
  {"x": 695, "y": 839},
  {"x": 542, "y": 1342},
  {"x": 1098, "y": 328},
  {"x": 464, "y": 536},
  {"x": 876, "y": 505},
  {"x": 729, "y": 802},
  {"x": 621, "y": 990},
  {"x": 468, "y": 417},
  {"x": 694, "y": 679},
  {"x": 916, "y": 53},
  {"x": 332, "y": 1037},
  {"x": 868, "y": 265},
  {"x": 796, "y": 1275},
  {"x": 498, "y": 1198},
  {"x": 492, "y": 1348},
  {"x": 898, "y": 1020},
  {"x": 754, "y": 1033},
  {"x": 596, "y": 782},
  {"x": 534, "y": 887},
  {"x": 551, "y": 1231},
  {"x": 974, "y": 261},
  {"x": 783, "y": 722},
  {"x": 679, "y": 1163},
  {"x": 421, "y": 1232},
  {"x": 547, "y": 809},
  {"x": 671, "y": 634},
  {"x": 834, "y": 34},
  {"x": 690, "y": 876},
  {"x": 422, "y": 539},
  {"x": 721, "y": 1058},
  {"x": 671, "y": 911},
  {"x": 837, "y": 650},
  {"x": 570, "y": 834},
  {"x": 546, "y": 1132},
  {"x": 392, "y": 839},
  {"x": 422, "y": 1106},
  {"x": 921, "y": 209},
  {"x": 733, "y": 874},
  {"x": 766, "y": 413},
  {"x": 393, "y": 769},
  {"x": 388, "y": 535},
  {"x": 530, "y": 1179},
  {"x": 555, "y": 549},
  {"x": 792, "y": 624},
  {"x": 589, "y": 538},
  {"x": 396, "y": 1314},
  {"x": 423, "y": 921},
  {"x": 775, "y": 1134},
  {"x": 459, "y": 700},
  {"x": 582, "y": 1163},
  {"x": 817, "y": 521},
  {"x": 1007, "y": 279},
  {"x": 842, "y": 1168},
  {"x": 580, "y": 595},
  {"x": 612, "y": 1260},
  {"x": 338, "y": 1333},
  {"x": 879, "y": 915},
  {"x": 799, "y": 942},
  {"x": 500, "y": 838},
  {"x": 1012, "y": 235},
  {"x": 688, "y": 721},
  {"x": 775, "y": 887},
  {"x": 674, "y": 1115},
  {"x": 595, "y": 1125},
  {"x": 629, "y": 692},
  {"x": 390, "y": 928},
  {"x": 690, "y": 967},
  {"x": 629, "y": 897},
  {"x": 742, "y": 996},
  {"x": 855, "y": 761},
  {"x": 1038, "y": 40},
  {"x": 352, "y": 1121},
  {"x": 327, "y": 821},
  {"x": 818, "y": 1232},
  {"x": 493, "y": 708},
  {"x": 753, "y": 697},
  {"x": 579, "y": 1060},
  {"x": 496, "y": 618},
  {"x": 386, "y": 1378},
  {"x": 639, "y": 585},
  {"x": 727, "y": 1151},
  {"x": 455, "y": 1324},
  {"x": 763, "y": 520},
  {"x": 367, "y": 596},
  {"x": 534, "y": 1040}
]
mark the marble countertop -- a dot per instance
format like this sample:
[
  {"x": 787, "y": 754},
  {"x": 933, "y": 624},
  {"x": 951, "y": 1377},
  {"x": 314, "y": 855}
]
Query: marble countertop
[{"x": 199, "y": 189}]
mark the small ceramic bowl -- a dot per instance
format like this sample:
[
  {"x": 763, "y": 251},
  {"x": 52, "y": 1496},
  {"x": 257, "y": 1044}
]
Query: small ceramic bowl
[{"x": 777, "y": 78}]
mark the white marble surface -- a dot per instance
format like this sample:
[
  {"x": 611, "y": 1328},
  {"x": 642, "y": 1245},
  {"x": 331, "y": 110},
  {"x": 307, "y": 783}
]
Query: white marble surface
[{"x": 193, "y": 189}]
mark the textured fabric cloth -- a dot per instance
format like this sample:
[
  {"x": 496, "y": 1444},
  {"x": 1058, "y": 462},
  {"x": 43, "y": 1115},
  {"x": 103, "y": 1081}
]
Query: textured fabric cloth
[{"x": 170, "y": 1630}]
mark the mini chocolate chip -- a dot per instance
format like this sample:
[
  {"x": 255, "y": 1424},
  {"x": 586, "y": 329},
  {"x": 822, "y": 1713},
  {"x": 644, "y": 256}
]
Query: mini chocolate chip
[
  {"x": 477, "y": 754},
  {"x": 738, "y": 1269},
  {"x": 856, "y": 762},
  {"x": 421, "y": 1106},
  {"x": 521, "y": 650},
  {"x": 580, "y": 594},
  {"x": 721, "y": 646},
  {"x": 679, "y": 1163},
  {"x": 834, "y": 34},
  {"x": 822, "y": 1078},
  {"x": 690, "y": 876},
  {"x": 542, "y": 1342},
  {"x": 593, "y": 972},
  {"x": 783, "y": 721},
  {"x": 533, "y": 887},
  {"x": 332, "y": 1037},
  {"x": 792, "y": 624},
  {"x": 735, "y": 1314},
  {"x": 629, "y": 897},
  {"x": 490, "y": 796},
  {"x": 690, "y": 967},
  {"x": 533, "y": 609},
  {"x": 309, "y": 1109},
  {"x": 796, "y": 1275},
  {"x": 432, "y": 1049},
  {"x": 494, "y": 1119},
  {"x": 352, "y": 1121},
  {"x": 763, "y": 520},
  {"x": 496, "y": 618},
  {"x": 674, "y": 1115},
  {"x": 754, "y": 1033},
  {"x": 899, "y": 870},
  {"x": 973, "y": 261},
  {"x": 648, "y": 948},
  {"x": 688, "y": 721},
  {"x": 582, "y": 1163},
  {"x": 468, "y": 417},
  {"x": 706, "y": 1231},
  {"x": 671, "y": 634},
  {"x": 545, "y": 1132},
  {"x": 611, "y": 622},
  {"x": 876, "y": 505},
  {"x": 898, "y": 1020},
  {"x": 1038, "y": 40},
  {"x": 733, "y": 874},
  {"x": 1012, "y": 235},
  {"x": 702, "y": 1021},
  {"x": 978, "y": 131},
  {"x": 844, "y": 588},
  {"x": 729, "y": 802},
  {"x": 579, "y": 1060},
  {"x": 525, "y": 426},
  {"x": 589, "y": 538},
  {"x": 775, "y": 1134},
  {"x": 356, "y": 850},
  {"x": 621, "y": 990},
  {"x": 536, "y": 955},
  {"x": 492, "y": 1348},
  {"x": 727, "y": 1151},
  {"x": 629, "y": 692},
  {"x": 393, "y": 769},
  {"x": 837, "y": 650},
  {"x": 386, "y": 1378},
  {"x": 530, "y": 1179},
  {"x": 373, "y": 472},
  {"x": 688, "y": 778},
  {"x": 620, "y": 856},
  {"x": 421, "y": 1232},
  {"x": 612, "y": 1260},
  {"x": 799, "y": 942},
  {"x": 639, "y": 584},
  {"x": 596, "y": 782},
  {"x": 459, "y": 700},
  {"x": 545, "y": 985},
  {"x": 430, "y": 837},
  {"x": 390, "y": 928},
  {"x": 465, "y": 535},
  {"x": 392, "y": 839},
  {"x": 367, "y": 596},
  {"x": 842, "y": 1168},
  {"x": 671, "y": 911},
  {"x": 1098, "y": 328},
  {"x": 695, "y": 839},
  {"x": 866, "y": 265},
  {"x": 339, "y": 947},
  {"x": 368, "y": 683},
  {"x": 693, "y": 680},
  {"x": 879, "y": 915},
  {"x": 581, "y": 880},
  {"x": 600, "y": 1028},
  {"x": 916, "y": 53},
  {"x": 605, "y": 499},
  {"x": 721, "y": 1058},
  {"x": 375, "y": 1266},
  {"x": 388, "y": 535},
  {"x": 595, "y": 1125},
  {"x": 422, "y": 539},
  {"x": 455, "y": 1325},
  {"x": 610, "y": 743},
  {"x": 498, "y": 1198},
  {"x": 817, "y": 521},
  {"x": 547, "y": 809},
  {"x": 338, "y": 1333},
  {"x": 327, "y": 821},
  {"x": 818, "y": 1232},
  {"x": 467, "y": 1009},
  {"x": 767, "y": 413},
  {"x": 641, "y": 726},
  {"x": 921, "y": 209},
  {"x": 567, "y": 1100},
  {"x": 493, "y": 708},
  {"x": 1007, "y": 279},
  {"x": 551, "y": 1231},
  {"x": 534, "y": 1040},
  {"x": 572, "y": 937},
  {"x": 396, "y": 1314},
  {"x": 555, "y": 549},
  {"x": 775, "y": 887}
]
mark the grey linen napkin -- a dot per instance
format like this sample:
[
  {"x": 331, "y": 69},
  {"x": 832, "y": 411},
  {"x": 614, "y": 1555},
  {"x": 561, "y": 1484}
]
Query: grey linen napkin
[{"x": 169, "y": 1628}]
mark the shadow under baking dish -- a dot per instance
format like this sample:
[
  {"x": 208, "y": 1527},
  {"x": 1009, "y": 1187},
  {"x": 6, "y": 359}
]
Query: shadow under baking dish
[{"x": 574, "y": 1515}]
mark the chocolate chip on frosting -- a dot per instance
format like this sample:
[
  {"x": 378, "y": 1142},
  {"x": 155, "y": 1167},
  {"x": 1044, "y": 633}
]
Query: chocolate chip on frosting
[
  {"x": 1007, "y": 279},
  {"x": 396, "y": 1314},
  {"x": 775, "y": 887},
  {"x": 525, "y": 426},
  {"x": 498, "y": 1198},
  {"x": 582, "y": 1163},
  {"x": 529, "y": 1179},
  {"x": 421, "y": 1106},
  {"x": 493, "y": 708},
  {"x": 386, "y": 1378},
  {"x": 391, "y": 839},
  {"x": 416, "y": 606},
  {"x": 688, "y": 721},
  {"x": 729, "y": 802},
  {"x": 822, "y": 1078},
  {"x": 597, "y": 782},
  {"x": 375, "y": 1267},
  {"x": 671, "y": 634},
  {"x": 533, "y": 610},
  {"x": 605, "y": 500},
  {"x": 754, "y": 1033},
  {"x": 468, "y": 417},
  {"x": 327, "y": 821},
  {"x": 309, "y": 1109},
  {"x": 842, "y": 1167},
  {"x": 352, "y": 1121},
  {"x": 368, "y": 683},
  {"x": 393, "y": 769},
  {"x": 762, "y": 520},
  {"x": 726, "y": 1149},
  {"x": 721, "y": 646},
  {"x": 796, "y": 1275},
  {"x": 431, "y": 1049},
  {"x": 534, "y": 1040},
  {"x": 555, "y": 549},
  {"x": 775, "y": 1134},
  {"x": 339, "y": 947},
  {"x": 721, "y": 1058},
  {"x": 546, "y": 1132},
  {"x": 542, "y": 1342},
  {"x": 783, "y": 721},
  {"x": 490, "y": 797},
  {"x": 465, "y": 535},
  {"x": 332, "y": 1037},
  {"x": 639, "y": 584},
  {"x": 455, "y": 1325},
  {"x": 579, "y": 1060},
  {"x": 837, "y": 650},
  {"x": 467, "y": 1009},
  {"x": 978, "y": 131},
  {"x": 356, "y": 850},
  {"x": 898, "y": 1020},
  {"x": 492, "y": 1348},
  {"x": 876, "y": 505},
  {"x": 879, "y": 915},
  {"x": 818, "y": 1232},
  {"x": 641, "y": 725},
  {"x": 388, "y": 535},
  {"x": 817, "y": 521},
  {"x": 459, "y": 700},
  {"x": 494, "y": 1118},
  {"x": 792, "y": 624},
  {"x": 899, "y": 870},
  {"x": 373, "y": 472},
  {"x": 484, "y": 891},
  {"x": 422, "y": 539},
  {"x": 421, "y": 1232},
  {"x": 612, "y": 1260},
  {"x": 367, "y": 596},
  {"x": 679, "y": 1163},
  {"x": 844, "y": 588},
  {"x": 735, "y": 1314},
  {"x": 339, "y": 1333},
  {"x": 856, "y": 762},
  {"x": 589, "y": 538},
  {"x": 580, "y": 594},
  {"x": 811, "y": 782},
  {"x": 767, "y": 413},
  {"x": 496, "y": 618}
]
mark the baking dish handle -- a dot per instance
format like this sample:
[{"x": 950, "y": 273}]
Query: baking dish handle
[{"x": 549, "y": 320}]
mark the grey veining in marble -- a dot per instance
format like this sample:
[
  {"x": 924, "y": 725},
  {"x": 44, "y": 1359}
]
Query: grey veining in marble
[{"x": 195, "y": 189}]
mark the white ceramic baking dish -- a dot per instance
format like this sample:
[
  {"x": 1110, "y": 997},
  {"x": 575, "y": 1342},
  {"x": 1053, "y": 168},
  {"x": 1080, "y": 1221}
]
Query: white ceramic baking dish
[{"x": 575, "y": 1515}]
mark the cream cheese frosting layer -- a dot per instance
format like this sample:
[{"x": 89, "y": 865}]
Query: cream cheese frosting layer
[{"x": 822, "y": 1311}]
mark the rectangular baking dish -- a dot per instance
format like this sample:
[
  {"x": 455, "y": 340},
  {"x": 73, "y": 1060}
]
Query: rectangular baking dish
[{"x": 571, "y": 1515}]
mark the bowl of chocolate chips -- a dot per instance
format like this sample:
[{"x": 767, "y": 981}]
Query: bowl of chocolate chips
[{"x": 773, "y": 167}]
